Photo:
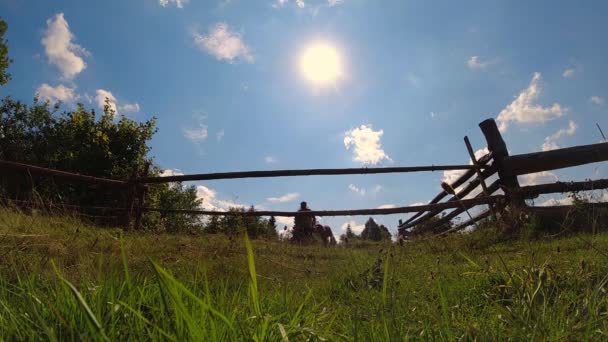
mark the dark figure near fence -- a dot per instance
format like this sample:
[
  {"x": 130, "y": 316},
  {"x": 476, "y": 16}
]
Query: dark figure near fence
[
  {"x": 303, "y": 225},
  {"x": 324, "y": 233},
  {"x": 306, "y": 229}
]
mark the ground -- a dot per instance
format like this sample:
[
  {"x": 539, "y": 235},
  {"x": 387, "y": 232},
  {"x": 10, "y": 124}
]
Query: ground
[{"x": 63, "y": 279}]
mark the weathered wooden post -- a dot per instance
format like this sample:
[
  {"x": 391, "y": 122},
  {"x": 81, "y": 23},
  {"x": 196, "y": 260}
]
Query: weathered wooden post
[
  {"x": 141, "y": 196},
  {"x": 482, "y": 181},
  {"x": 498, "y": 148},
  {"x": 131, "y": 192}
]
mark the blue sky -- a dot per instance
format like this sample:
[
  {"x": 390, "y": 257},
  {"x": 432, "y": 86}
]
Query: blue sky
[{"x": 224, "y": 80}]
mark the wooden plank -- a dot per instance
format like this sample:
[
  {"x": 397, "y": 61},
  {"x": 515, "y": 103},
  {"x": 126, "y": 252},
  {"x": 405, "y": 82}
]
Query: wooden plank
[
  {"x": 498, "y": 147},
  {"x": 460, "y": 209},
  {"x": 484, "y": 188},
  {"x": 67, "y": 175},
  {"x": 522, "y": 164},
  {"x": 349, "y": 212},
  {"x": 458, "y": 182},
  {"x": 533, "y": 191},
  {"x": 303, "y": 172},
  {"x": 461, "y": 194},
  {"x": 472, "y": 221}
]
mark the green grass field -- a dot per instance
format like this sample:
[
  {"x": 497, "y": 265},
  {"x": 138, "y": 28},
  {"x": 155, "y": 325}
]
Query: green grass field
[{"x": 63, "y": 280}]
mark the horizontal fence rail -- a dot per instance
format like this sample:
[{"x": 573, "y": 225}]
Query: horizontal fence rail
[
  {"x": 468, "y": 203},
  {"x": 68, "y": 175},
  {"x": 303, "y": 172}
]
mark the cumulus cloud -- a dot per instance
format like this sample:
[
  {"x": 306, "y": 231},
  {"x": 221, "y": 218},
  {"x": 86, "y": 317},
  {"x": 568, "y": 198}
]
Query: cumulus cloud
[
  {"x": 300, "y": 3},
  {"x": 525, "y": 110},
  {"x": 551, "y": 141},
  {"x": 597, "y": 100},
  {"x": 556, "y": 201},
  {"x": 377, "y": 188},
  {"x": 568, "y": 73},
  {"x": 177, "y": 3},
  {"x": 223, "y": 43},
  {"x": 284, "y": 199},
  {"x": 55, "y": 94},
  {"x": 387, "y": 206},
  {"x": 332, "y": 3},
  {"x": 101, "y": 95},
  {"x": 366, "y": 145},
  {"x": 357, "y": 190},
  {"x": 356, "y": 227},
  {"x": 66, "y": 55},
  {"x": 543, "y": 177},
  {"x": 475, "y": 63},
  {"x": 211, "y": 201},
  {"x": 100, "y": 98}
]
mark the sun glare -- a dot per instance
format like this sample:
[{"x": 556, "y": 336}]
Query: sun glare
[{"x": 320, "y": 63}]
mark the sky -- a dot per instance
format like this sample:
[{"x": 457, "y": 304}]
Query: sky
[{"x": 281, "y": 84}]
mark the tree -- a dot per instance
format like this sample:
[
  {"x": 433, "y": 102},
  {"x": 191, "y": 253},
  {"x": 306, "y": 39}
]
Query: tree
[
  {"x": 81, "y": 141},
  {"x": 5, "y": 61},
  {"x": 374, "y": 232}
]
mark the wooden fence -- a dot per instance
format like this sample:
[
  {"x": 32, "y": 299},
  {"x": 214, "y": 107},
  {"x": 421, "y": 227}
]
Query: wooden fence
[{"x": 474, "y": 176}]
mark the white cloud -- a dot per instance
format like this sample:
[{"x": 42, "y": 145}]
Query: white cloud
[
  {"x": 199, "y": 131},
  {"x": 300, "y": 3},
  {"x": 543, "y": 177},
  {"x": 551, "y": 141},
  {"x": 376, "y": 189},
  {"x": 223, "y": 44},
  {"x": 196, "y": 134},
  {"x": 525, "y": 110},
  {"x": 171, "y": 172},
  {"x": 220, "y": 135},
  {"x": 334, "y": 2},
  {"x": 285, "y": 198},
  {"x": 129, "y": 108},
  {"x": 356, "y": 227},
  {"x": 100, "y": 97},
  {"x": 60, "y": 50},
  {"x": 387, "y": 206},
  {"x": 177, "y": 3},
  {"x": 568, "y": 73},
  {"x": 475, "y": 63},
  {"x": 357, "y": 190},
  {"x": 597, "y": 100},
  {"x": 279, "y": 3},
  {"x": 270, "y": 160},
  {"x": 556, "y": 201},
  {"x": 366, "y": 143},
  {"x": 54, "y": 94},
  {"x": 212, "y": 202}
]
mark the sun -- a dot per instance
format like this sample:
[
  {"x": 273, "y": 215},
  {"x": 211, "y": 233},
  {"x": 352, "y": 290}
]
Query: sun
[{"x": 320, "y": 63}]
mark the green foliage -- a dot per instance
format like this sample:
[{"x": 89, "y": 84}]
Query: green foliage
[
  {"x": 83, "y": 141},
  {"x": 375, "y": 232},
  {"x": 5, "y": 61},
  {"x": 238, "y": 222}
]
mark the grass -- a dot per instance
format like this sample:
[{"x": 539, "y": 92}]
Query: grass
[{"x": 61, "y": 279}]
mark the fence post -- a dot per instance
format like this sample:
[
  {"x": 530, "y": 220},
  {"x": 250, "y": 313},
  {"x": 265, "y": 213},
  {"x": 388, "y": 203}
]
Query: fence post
[
  {"x": 141, "y": 196},
  {"x": 498, "y": 147},
  {"x": 131, "y": 192}
]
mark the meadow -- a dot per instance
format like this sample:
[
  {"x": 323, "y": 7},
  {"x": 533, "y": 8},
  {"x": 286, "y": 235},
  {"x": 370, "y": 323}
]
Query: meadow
[{"x": 63, "y": 279}]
